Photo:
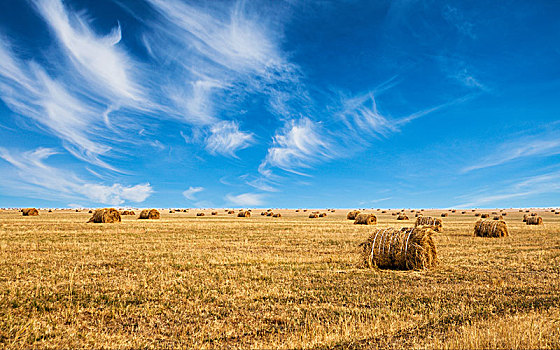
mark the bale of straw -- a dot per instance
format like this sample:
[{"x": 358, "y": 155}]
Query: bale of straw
[
  {"x": 428, "y": 221},
  {"x": 149, "y": 214},
  {"x": 105, "y": 216},
  {"x": 365, "y": 219},
  {"x": 90, "y": 212},
  {"x": 534, "y": 220},
  {"x": 402, "y": 216},
  {"x": 521, "y": 211},
  {"x": 200, "y": 214},
  {"x": 277, "y": 215},
  {"x": 443, "y": 215},
  {"x": 352, "y": 214},
  {"x": 453, "y": 211},
  {"x": 297, "y": 210},
  {"x": 313, "y": 215},
  {"x": 244, "y": 214},
  {"x": 263, "y": 213},
  {"x": 463, "y": 212},
  {"x": 50, "y": 210},
  {"x": 322, "y": 215},
  {"x": 487, "y": 228},
  {"x": 484, "y": 216},
  {"x": 214, "y": 213},
  {"x": 171, "y": 211},
  {"x": 497, "y": 217},
  {"x": 405, "y": 249},
  {"x": 332, "y": 210},
  {"x": 384, "y": 212},
  {"x": 304, "y": 210},
  {"x": 533, "y": 214},
  {"x": 504, "y": 213},
  {"x": 231, "y": 212},
  {"x": 525, "y": 217},
  {"x": 29, "y": 212}
]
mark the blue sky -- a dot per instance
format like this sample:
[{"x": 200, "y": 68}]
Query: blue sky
[{"x": 172, "y": 103}]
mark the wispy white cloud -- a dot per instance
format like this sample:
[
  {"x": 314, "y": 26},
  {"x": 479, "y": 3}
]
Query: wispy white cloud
[
  {"x": 246, "y": 199},
  {"x": 225, "y": 138},
  {"x": 519, "y": 149},
  {"x": 191, "y": 192},
  {"x": 456, "y": 18},
  {"x": 34, "y": 172},
  {"x": 298, "y": 145}
]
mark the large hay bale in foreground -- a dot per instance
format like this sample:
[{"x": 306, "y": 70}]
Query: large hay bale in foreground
[
  {"x": 30, "y": 212},
  {"x": 488, "y": 228},
  {"x": 534, "y": 220},
  {"x": 352, "y": 214},
  {"x": 402, "y": 216},
  {"x": 434, "y": 223},
  {"x": 365, "y": 219},
  {"x": 244, "y": 214},
  {"x": 149, "y": 214},
  {"x": 405, "y": 249},
  {"x": 105, "y": 216}
]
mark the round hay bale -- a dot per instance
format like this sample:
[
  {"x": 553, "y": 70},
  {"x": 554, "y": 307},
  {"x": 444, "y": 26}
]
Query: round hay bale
[
  {"x": 171, "y": 211},
  {"x": 384, "y": 212},
  {"x": 443, "y": 215},
  {"x": 476, "y": 214},
  {"x": 463, "y": 212},
  {"x": 231, "y": 212},
  {"x": 428, "y": 221},
  {"x": 402, "y": 217},
  {"x": 365, "y": 219},
  {"x": 313, "y": 215},
  {"x": 453, "y": 211},
  {"x": 352, "y": 215},
  {"x": 214, "y": 213},
  {"x": 244, "y": 214},
  {"x": 487, "y": 228},
  {"x": 504, "y": 213},
  {"x": 77, "y": 210},
  {"x": 152, "y": 214},
  {"x": 484, "y": 216},
  {"x": 521, "y": 211},
  {"x": 304, "y": 210},
  {"x": 277, "y": 215},
  {"x": 534, "y": 220},
  {"x": 29, "y": 212},
  {"x": 105, "y": 216},
  {"x": 263, "y": 213},
  {"x": 497, "y": 217},
  {"x": 90, "y": 212},
  {"x": 200, "y": 214},
  {"x": 50, "y": 210},
  {"x": 405, "y": 249},
  {"x": 322, "y": 215},
  {"x": 269, "y": 213},
  {"x": 297, "y": 210}
]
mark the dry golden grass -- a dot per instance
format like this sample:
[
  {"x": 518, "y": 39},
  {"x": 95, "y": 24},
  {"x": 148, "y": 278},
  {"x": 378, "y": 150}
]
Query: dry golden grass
[{"x": 290, "y": 282}]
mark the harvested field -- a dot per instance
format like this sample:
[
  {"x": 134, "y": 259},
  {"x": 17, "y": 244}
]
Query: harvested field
[{"x": 225, "y": 282}]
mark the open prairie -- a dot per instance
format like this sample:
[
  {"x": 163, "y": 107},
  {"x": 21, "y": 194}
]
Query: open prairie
[{"x": 220, "y": 281}]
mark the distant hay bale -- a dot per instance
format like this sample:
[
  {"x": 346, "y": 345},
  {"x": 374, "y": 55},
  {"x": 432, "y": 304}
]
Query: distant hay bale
[
  {"x": 402, "y": 216},
  {"x": 90, "y": 212},
  {"x": 428, "y": 221},
  {"x": 214, "y": 213},
  {"x": 244, "y": 214},
  {"x": 527, "y": 211},
  {"x": 105, "y": 216},
  {"x": 50, "y": 210},
  {"x": 297, "y": 210},
  {"x": 476, "y": 214},
  {"x": 504, "y": 213},
  {"x": 277, "y": 215},
  {"x": 443, "y": 215},
  {"x": 405, "y": 249},
  {"x": 352, "y": 214},
  {"x": 269, "y": 213},
  {"x": 322, "y": 215},
  {"x": 231, "y": 212},
  {"x": 313, "y": 215},
  {"x": 384, "y": 212},
  {"x": 304, "y": 210},
  {"x": 30, "y": 212},
  {"x": 521, "y": 211},
  {"x": 332, "y": 210},
  {"x": 365, "y": 219},
  {"x": 77, "y": 210},
  {"x": 533, "y": 214},
  {"x": 453, "y": 211},
  {"x": 494, "y": 213},
  {"x": 497, "y": 217},
  {"x": 171, "y": 211},
  {"x": 487, "y": 228},
  {"x": 484, "y": 216},
  {"x": 556, "y": 213},
  {"x": 149, "y": 214},
  {"x": 534, "y": 220},
  {"x": 263, "y": 213},
  {"x": 463, "y": 212},
  {"x": 127, "y": 212},
  {"x": 200, "y": 214}
]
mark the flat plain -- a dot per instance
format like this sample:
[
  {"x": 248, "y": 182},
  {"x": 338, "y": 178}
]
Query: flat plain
[{"x": 262, "y": 282}]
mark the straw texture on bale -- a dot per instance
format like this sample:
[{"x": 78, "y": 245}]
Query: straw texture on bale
[
  {"x": 435, "y": 223},
  {"x": 105, "y": 215},
  {"x": 244, "y": 214},
  {"x": 30, "y": 212},
  {"x": 352, "y": 214},
  {"x": 534, "y": 220},
  {"x": 365, "y": 219},
  {"x": 128, "y": 212},
  {"x": 487, "y": 228},
  {"x": 402, "y": 217},
  {"x": 313, "y": 215},
  {"x": 149, "y": 214},
  {"x": 405, "y": 249}
]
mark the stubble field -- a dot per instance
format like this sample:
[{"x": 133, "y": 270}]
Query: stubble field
[{"x": 261, "y": 282}]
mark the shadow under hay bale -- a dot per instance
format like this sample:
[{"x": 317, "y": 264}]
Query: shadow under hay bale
[
  {"x": 405, "y": 249},
  {"x": 29, "y": 212},
  {"x": 149, "y": 214},
  {"x": 105, "y": 216},
  {"x": 487, "y": 228},
  {"x": 428, "y": 221},
  {"x": 352, "y": 214},
  {"x": 244, "y": 214},
  {"x": 534, "y": 220},
  {"x": 365, "y": 219},
  {"x": 313, "y": 215},
  {"x": 402, "y": 217}
]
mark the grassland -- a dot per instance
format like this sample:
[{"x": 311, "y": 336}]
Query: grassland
[{"x": 262, "y": 282}]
